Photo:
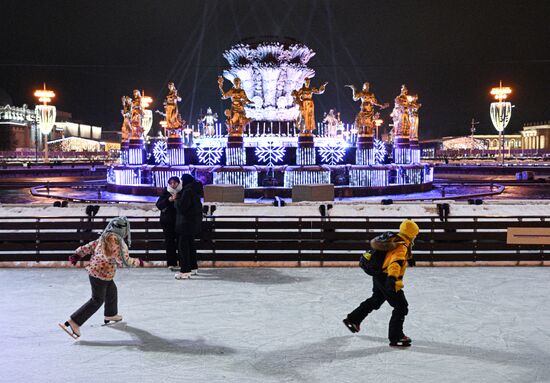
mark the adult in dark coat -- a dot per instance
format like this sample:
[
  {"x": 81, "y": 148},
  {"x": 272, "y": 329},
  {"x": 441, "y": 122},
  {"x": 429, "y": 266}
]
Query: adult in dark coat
[
  {"x": 166, "y": 205},
  {"x": 188, "y": 224}
]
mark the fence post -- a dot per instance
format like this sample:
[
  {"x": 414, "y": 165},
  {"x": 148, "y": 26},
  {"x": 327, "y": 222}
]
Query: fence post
[
  {"x": 256, "y": 223},
  {"x": 542, "y": 246},
  {"x": 323, "y": 231},
  {"x": 475, "y": 239},
  {"x": 212, "y": 241},
  {"x": 37, "y": 239},
  {"x": 300, "y": 223},
  {"x": 147, "y": 239},
  {"x": 432, "y": 230},
  {"x": 518, "y": 248}
]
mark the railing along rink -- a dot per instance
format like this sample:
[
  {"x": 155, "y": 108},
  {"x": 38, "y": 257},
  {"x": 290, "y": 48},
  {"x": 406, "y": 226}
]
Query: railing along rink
[{"x": 281, "y": 241}]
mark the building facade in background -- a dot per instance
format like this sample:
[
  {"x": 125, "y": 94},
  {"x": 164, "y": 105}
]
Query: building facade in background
[
  {"x": 536, "y": 136},
  {"x": 19, "y": 131}
]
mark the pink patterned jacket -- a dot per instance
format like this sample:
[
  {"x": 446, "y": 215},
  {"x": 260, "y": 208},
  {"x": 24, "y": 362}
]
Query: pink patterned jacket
[{"x": 101, "y": 265}]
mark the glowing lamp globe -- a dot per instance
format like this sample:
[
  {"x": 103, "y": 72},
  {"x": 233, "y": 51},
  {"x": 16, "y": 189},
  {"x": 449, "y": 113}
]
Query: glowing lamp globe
[
  {"x": 147, "y": 121},
  {"x": 501, "y": 111},
  {"x": 45, "y": 114}
]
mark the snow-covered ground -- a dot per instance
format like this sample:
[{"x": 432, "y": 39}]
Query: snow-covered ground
[
  {"x": 339, "y": 209},
  {"x": 277, "y": 325}
]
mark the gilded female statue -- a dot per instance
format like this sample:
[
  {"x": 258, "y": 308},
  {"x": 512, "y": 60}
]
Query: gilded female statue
[
  {"x": 307, "y": 110},
  {"x": 173, "y": 119},
  {"x": 137, "y": 115},
  {"x": 236, "y": 118},
  {"x": 414, "y": 105},
  {"x": 364, "y": 121},
  {"x": 126, "y": 116},
  {"x": 400, "y": 114}
]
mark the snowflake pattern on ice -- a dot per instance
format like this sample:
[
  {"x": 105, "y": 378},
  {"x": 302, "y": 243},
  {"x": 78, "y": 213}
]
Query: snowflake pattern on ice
[
  {"x": 210, "y": 156},
  {"x": 269, "y": 153},
  {"x": 332, "y": 153},
  {"x": 379, "y": 151},
  {"x": 160, "y": 152}
]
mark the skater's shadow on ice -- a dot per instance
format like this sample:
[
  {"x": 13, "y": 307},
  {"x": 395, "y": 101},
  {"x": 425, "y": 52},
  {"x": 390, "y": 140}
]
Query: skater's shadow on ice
[
  {"x": 145, "y": 341},
  {"x": 292, "y": 362},
  {"x": 259, "y": 276},
  {"x": 534, "y": 357}
]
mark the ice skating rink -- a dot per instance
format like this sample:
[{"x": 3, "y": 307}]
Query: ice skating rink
[{"x": 277, "y": 325}]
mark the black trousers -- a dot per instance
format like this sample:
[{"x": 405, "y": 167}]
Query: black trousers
[
  {"x": 380, "y": 295},
  {"x": 188, "y": 253},
  {"x": 102, "y": 291},
  {"x": 171, "y": 244}
]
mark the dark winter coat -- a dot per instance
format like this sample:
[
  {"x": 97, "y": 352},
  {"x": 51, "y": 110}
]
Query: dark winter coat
[
  {"x": 189, "y": 210},
  {"x": 167, "y": 210}
]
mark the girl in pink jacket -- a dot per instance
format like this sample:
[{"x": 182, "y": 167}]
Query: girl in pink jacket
[{"x": 107, "y": 252}]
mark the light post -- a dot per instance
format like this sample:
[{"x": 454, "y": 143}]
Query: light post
[
  {"x": 500, "y": 114},
  {"x": 45, "y": 115},
  {"x": 473, "y": 130}
]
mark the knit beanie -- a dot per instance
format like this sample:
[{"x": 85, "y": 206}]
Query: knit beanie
[
  {"x": 119, "y": 226},
  {"x": 409, "y": 229}
]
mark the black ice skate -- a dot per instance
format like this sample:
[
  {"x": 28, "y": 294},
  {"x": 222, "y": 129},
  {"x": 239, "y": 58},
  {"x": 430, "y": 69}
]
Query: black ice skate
[
  {"x": 113, "y": 319},
  {"x": 74, "y": 329},
  {"x": 351, "y": 326},
  {"x": 404, "y": 341}
]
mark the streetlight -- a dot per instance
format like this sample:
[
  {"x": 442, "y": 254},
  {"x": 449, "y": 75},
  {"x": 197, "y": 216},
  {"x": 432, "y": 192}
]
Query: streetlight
[
  {"x": 45, "y": 115},
  {"x": 500, "y": 114},
  {"x": 473, "y": 130}
]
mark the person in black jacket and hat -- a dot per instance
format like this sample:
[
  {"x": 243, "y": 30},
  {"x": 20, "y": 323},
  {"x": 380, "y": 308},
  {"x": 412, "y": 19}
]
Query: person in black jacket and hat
[
  {"x": 188, "y": 224},
  {"x": 166, "y": 205}
]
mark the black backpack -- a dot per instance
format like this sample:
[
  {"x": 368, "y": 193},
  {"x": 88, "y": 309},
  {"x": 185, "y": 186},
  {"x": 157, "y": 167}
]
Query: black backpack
[{"x": 371, "y": 262}]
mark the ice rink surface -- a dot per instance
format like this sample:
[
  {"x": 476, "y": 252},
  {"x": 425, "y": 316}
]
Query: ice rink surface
[{"x": 277, "y": 325}]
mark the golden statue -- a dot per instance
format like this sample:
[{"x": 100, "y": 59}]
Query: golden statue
[
  {"x": 137, "y": 115},
  {"x": 126, "y": 115},
  {"x": 400, "y": 114},
  {"x": 173, "y": 118},
  {"x": 414, "y": 105},
  {"x": 364, "y": 121},
  {"x": 299, "y": 118},
  {"x": 236, "y": 117},
  {"x": 307, "y": 108}
]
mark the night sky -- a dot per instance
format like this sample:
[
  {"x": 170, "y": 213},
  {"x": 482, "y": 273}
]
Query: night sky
[{"x": 449, "y": 52}]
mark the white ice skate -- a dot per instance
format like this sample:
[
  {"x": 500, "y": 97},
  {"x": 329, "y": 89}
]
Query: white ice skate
[
  {"x": 195, "y": 272},
  {"x": 113, "y": 319},
  {"x": 182, "y": 275},
  {"x": 73, "y": 327}
]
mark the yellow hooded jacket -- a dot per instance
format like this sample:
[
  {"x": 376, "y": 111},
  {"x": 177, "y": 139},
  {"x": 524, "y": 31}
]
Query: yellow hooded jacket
[{"x": 395, "y": 263}]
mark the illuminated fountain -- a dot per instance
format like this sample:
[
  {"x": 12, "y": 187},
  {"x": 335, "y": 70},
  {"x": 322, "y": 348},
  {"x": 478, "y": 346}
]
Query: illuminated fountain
[
  {"x": 269, "y": 140},
  {"x": 269, "y": 72}
]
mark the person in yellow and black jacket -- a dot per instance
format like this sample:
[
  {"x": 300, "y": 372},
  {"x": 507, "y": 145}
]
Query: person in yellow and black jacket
[{"x": 388, "y": 286}]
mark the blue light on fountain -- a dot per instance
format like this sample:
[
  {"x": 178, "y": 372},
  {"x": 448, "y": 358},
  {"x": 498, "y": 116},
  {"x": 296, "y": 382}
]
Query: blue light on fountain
[
  {"x": 270, "y": 153},
  {"x": 210, "y": 155},
  {"x": 160, "y": 152},
  {"x": 332, "y": 152}
]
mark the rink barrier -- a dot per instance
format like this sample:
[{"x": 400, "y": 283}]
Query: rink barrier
[{"x": 299, "y": 241}]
